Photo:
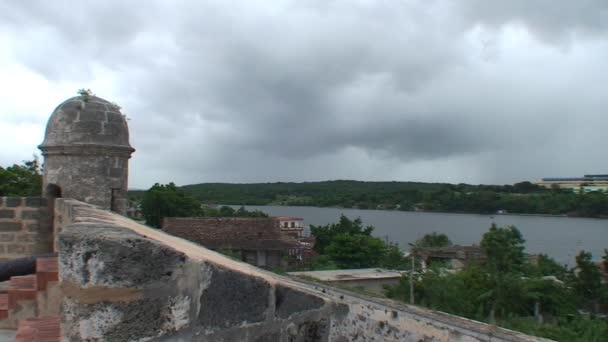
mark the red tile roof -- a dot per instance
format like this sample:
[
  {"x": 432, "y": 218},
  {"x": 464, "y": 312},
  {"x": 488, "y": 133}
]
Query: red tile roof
[{"x": 232, "y": 233}]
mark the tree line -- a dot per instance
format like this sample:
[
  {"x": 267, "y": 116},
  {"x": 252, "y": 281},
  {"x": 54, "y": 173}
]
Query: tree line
[
  {"x": 168, "y": 200},
  {"x": 21, "y": 180},
  {"x": 519, "y": 198}
]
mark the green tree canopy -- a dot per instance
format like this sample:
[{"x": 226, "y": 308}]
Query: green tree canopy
[
  {"x": 348, "y": 244},
  {"x": 326, "y": 234},
  {"x": 588, "y": 282},
  {"x": 356, "y": 251},
  {"x": 433, "y": 239},
  {"x": 167, "y": 200},
  {"x": 21, "y": 180},
  {"x": 504, "y": 249}
]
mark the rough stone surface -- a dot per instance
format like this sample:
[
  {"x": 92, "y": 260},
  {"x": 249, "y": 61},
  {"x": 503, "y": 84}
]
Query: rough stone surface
[
  {"x": 232, "y": 299},
  {"x": 30, "y": 214},
  {"x": 35, "y": 202},
  {"x": 7, "y": 237},
  {"x": 16, "y": 249},
  {"x": 17, "y": 236},
  {"x": 7, "y": 213},
  {"x": 12, "y": 202},
  {"x": 269, "y": 337},
  {"x": 10, "y": 226},
  {"x": 86, "y": 151},
  {"x": 312, "y": 331},
  {"x": 110, "y": 256},
  {"x": 289, "y": 301},
  {"x": 133, "y": 321}
]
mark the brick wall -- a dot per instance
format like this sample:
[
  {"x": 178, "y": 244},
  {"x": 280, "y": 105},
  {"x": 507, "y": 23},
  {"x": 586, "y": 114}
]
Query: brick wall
[{"x": 25, "y": 227}]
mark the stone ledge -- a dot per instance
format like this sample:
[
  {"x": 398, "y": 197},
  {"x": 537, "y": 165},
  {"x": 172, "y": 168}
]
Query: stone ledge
[
  {"x": 207, "y": 296},
  {"x": 100, "y": 254}
]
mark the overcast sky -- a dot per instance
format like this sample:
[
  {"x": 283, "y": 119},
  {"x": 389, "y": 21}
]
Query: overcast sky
[{"x": 469, "y": 91}]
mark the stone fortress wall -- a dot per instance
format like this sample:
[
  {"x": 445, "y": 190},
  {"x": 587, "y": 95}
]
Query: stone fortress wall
[
  {"x": 123, "y": 281},
  {"x": 25, "y": 227}
]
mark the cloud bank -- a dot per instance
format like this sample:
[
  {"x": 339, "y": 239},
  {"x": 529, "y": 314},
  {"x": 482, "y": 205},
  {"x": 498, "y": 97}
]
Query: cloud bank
[{"x": 259, "y": 91}]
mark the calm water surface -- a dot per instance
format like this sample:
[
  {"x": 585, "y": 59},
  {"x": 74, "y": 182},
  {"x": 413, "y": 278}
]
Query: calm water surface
[{"x": 559, "y": 237}]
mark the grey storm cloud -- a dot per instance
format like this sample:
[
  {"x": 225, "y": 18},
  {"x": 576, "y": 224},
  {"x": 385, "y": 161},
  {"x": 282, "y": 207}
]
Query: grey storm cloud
[{"x": 308, "y": 90}]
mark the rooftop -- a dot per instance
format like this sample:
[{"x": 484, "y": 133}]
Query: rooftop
[
  {"x": 230, "y": 232},
  {"x": 289, "y": 218}
]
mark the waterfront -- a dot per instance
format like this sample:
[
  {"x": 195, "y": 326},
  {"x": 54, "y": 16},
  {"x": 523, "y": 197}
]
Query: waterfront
[{"x": 559, "y": 237}]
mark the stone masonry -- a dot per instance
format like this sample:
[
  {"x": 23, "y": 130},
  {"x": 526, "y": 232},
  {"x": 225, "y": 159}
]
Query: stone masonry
[
  {"x": 86, "y": 152},
  {"x": 25, "y": 227},
  {"x": 123, "y": 281}
]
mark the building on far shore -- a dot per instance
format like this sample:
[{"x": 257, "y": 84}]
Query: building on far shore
[
  {"x": 370, "y": 280},
  {"x": 587, "y": 183}
]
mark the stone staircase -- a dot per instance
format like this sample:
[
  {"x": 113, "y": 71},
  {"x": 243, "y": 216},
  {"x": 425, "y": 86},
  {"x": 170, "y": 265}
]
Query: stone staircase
[{"x": 31, "y": 304}]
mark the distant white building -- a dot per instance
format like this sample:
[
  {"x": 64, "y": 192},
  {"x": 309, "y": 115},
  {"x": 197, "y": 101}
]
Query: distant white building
[{"x": 293, "y": 226}]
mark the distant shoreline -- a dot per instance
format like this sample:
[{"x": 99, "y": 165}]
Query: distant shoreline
[{"x": 420, "y": 211}]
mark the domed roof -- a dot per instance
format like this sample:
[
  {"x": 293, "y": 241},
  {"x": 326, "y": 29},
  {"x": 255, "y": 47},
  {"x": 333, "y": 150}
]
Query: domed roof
[{"x": 87, "y": 120}]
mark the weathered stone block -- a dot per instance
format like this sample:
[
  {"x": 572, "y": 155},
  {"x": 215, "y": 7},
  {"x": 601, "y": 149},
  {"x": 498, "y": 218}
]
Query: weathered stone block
[
  {"x": 71, "y": 109},
  {"x": 36, "y": 202},
  {"x": 40, "y": 227},
  {"x": 7, "y": 213},
  {"x": 113, "y": 129},
  {"x": 16, "y": 248},
  {"x": 32, "y": 227},
  {"x": 116, "y": 172},
  {"x": 115, "y": 117},
  {"x": 232, "y": 298},
  {"x": 10, "y": 226},
  {"x": 94, "y": 106},
  {"x": 123, "y": 321},
  {"x": 7, "y": 237},
  {"x": 105, "y": 255},
  {"x": 24, "y": 237},
  {"x": 289, "y": 301},
  {"x": 42, "y": 245},
  {"x": 269, "y": 337},
  {"x": 93, "y": 115},
  {"x": 87, "y": 127},
  {"x": 11, "y": 202},
  {"x": 30, "y": 214},
  {"x": 311, "y": 331}
]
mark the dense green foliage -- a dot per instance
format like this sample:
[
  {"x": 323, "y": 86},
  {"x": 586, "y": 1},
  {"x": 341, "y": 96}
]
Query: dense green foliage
[
  {"x": 577, "y": 329},
  {"x": 587, "y": 282},
  {"x": 348, "y": 244},
  {"x": 167, "y": 200},
  {"x": 524, "y": 197},
  {"x": 508, "y": 290},
  {"x": 433, "y": 239},
  {"x": 21, "y": 180}
]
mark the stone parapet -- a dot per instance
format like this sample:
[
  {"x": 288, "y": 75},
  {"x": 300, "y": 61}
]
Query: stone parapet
[
  {"x": 25, "y": 227},
  {"x": 123, "y": 281}
]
